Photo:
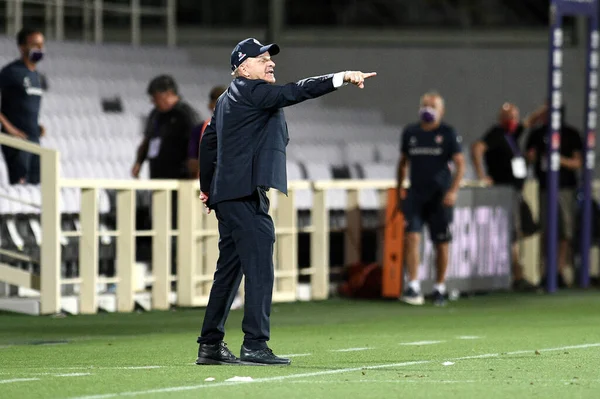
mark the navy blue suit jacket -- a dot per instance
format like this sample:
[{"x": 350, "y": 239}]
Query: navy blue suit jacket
[{"x": 244, "y": 145}]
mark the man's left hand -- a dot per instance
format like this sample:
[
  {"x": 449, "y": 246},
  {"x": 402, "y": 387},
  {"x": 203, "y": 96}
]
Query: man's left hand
[
  {"x": 450, "y": 198},
  {"x": 42, "y": 131},
  {"x": 204, "y": 198},
  {"x": 358, "y": 78}
]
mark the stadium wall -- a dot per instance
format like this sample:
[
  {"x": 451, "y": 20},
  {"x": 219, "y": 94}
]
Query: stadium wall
[{"x": 474, "y": 81}]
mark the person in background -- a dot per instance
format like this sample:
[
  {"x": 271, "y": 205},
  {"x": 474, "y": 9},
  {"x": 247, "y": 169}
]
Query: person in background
[
  {"x": 571, "y": 161},
  {"x": 506, "y": 165},
  {"x": 21, "y": 92},
  {"x": 428, "y": 147},
  {"x": 198, "y": 131},
  {"x": 167, "y": 133},
  {"x": 166, "y": 136}
]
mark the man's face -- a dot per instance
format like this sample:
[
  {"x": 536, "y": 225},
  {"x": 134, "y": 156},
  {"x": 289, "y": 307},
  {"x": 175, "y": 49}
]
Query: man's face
[
  {"x": 162, "y": 101},
  {"x": 261, "y": 67},
  {"x": 436, "y": 103},
  {"x": 509, "y": 118},
  {"x": 509, "y": 113},
  {"x": 35, "y": 41}
]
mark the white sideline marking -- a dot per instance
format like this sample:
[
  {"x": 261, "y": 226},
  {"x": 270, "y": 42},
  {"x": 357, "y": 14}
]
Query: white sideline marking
[
  {"x": 424, "y": 380},
  {"x": 18, "y": 380},
  {"x": 296, "y": 355},
  {"x": 321, "y": 373},
  {"x": 266, "y": 379},
  {"x": 468, "y": 337},
  {"x": 418, "y": 343},
  {"x": 101, "y": 368},
  {"x": 72, "y": 375},
  {"x": 484, "y": 356},
  {"x": 583, "y": 346},
  {"x": 350, "y": 350},
  {"x": 134, "y": 367}
]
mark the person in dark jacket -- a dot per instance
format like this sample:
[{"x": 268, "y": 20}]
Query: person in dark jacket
[{"x": 242, "y": 156}]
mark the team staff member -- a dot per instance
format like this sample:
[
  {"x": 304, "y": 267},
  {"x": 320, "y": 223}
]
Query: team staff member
[
  {"x": 242, "y": 155},
  {"x": 198, "y": 131},
  {"x": 167, "y": 132},
  {"x": 166, "y": 136},
  {"x": 21, "y": 92},
  {"x": 506, "y": 165},
  {"x": 571, "y": 161},
  {"x": 428, "y": 147}
]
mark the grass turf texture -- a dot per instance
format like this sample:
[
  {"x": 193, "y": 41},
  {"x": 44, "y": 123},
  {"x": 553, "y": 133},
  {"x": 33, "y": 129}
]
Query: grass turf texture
[{"x": 491, "y": 341}]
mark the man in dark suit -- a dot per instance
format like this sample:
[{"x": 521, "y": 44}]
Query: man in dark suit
[{"x": 242, "y": 155}]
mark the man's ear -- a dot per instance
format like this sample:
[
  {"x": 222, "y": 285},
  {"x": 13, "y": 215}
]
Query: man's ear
[{"x": 244, "y": 69}]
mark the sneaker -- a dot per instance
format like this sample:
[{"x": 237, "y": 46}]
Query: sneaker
[
  {"x": 439, "y": 299},
  {"x": 412, "y": 297},
  {"x": 523, "y": 285},
  {"x": 216, "y": 354}
]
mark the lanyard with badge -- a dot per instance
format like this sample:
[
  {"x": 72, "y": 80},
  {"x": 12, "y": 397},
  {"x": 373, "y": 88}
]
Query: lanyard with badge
[
  {"x": 154, "y": 143},
  {"x": 519, "y": 167}
]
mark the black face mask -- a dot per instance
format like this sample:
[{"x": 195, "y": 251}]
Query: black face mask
[{"x": 35, "y": 55}]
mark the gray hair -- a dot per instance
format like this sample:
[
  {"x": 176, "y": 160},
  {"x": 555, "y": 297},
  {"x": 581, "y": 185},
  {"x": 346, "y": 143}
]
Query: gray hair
[
  {"x": 236, "y": 71},
  {"x": 433, "y": 93}
]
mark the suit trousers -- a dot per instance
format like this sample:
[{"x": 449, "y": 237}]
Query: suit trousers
[{"x": 246, "y": 238}]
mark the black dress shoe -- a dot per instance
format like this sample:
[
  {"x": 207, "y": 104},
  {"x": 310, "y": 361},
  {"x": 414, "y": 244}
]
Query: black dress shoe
[
  {"x": 216, "y": 354},
  {"x": 264, "y": 357}
]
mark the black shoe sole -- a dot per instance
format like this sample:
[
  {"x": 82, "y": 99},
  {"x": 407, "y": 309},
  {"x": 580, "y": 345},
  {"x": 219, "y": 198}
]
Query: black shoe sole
[
  {"x": 205, "y": 361},
  {"x": 251, "y": 363}
]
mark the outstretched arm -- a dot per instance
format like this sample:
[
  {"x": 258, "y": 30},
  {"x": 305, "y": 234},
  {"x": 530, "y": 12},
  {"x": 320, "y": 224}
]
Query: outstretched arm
[{"x": 265, "y": 95}]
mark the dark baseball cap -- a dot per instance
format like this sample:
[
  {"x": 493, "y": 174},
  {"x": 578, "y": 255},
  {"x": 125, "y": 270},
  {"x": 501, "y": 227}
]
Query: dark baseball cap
[{"x": 250, "y": 48}]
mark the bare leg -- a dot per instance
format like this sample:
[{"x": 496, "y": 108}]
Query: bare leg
[
  {"x": 413, "y": 295},
  {"x": 412, "y": 255},
  {"x": 442, "y": 261},
  {"x": 563, "y": 249},
  {"x": 517, "y": 268}
]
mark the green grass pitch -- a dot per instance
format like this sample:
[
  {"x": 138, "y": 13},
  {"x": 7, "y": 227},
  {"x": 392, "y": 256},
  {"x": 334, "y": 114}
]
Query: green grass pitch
[{"x": 496, "y": 346}]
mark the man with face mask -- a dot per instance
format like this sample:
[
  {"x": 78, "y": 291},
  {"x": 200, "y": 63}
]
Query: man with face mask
[
  {"x": 21, "y": 92},
  {"x": 506, "y": 165},
  {"x": 428, "y": 147}
]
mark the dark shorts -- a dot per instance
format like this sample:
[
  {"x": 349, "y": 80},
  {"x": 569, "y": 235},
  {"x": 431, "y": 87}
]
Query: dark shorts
[
  {"x": 566, "y": 212},
  {"x": 422, "y": 209},
  {"x": 22, "y": 165},
  {"x": 523, "y": 223}
]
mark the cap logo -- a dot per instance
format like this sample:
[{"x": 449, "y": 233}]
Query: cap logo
[{"x": 241, "y": 55}]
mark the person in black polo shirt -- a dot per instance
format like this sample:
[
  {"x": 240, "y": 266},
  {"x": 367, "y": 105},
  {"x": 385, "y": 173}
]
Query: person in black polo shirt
[
  {"x": 166, "y": 135},
  {"x": 428, "y": 147},
  {"x": 167, "y": 132},
  {"x": 506, "y": 165},
  {"x": 21, "y": 92},
  {"x": 571, "y": 161}
]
